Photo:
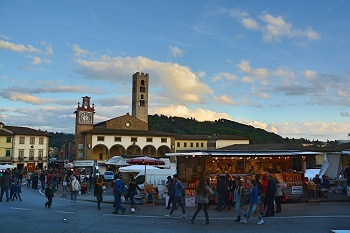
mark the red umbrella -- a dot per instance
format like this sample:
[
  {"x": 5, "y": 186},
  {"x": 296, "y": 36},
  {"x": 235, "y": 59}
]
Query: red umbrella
[{"x": 145, "y": 160}]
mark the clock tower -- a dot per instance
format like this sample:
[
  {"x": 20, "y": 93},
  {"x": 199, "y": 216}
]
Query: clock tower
[
  {"x": 84, "y": 121},
  {"x": 140, "y": 96}
]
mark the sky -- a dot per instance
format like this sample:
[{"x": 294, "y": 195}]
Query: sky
[{"x": 283, "y": 66}]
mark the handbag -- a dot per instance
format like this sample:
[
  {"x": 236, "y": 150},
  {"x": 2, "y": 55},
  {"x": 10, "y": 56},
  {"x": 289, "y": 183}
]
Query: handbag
[
  {"x": 122, "y": 199},
  {"x": 203, "y": 200}
]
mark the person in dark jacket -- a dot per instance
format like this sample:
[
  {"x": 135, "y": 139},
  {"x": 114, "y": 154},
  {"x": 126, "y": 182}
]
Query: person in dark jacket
[
  {"x": 270, "y": 195},
  {"x": 5, "y": 185},
  {"x": 132, "y": 191},
  {"x": 17, "y": 191},
  {"x": 35, "y": 180},
  {"x": 49, "y": 195},
  {"x": 98, "y": 192},
  {"x": 171, "y": 191}
]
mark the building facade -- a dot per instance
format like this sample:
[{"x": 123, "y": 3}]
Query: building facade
[{"x": 29, "y": 147}]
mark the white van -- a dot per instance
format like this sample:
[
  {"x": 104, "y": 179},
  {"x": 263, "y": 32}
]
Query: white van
[{"x": 156, "y": 177}]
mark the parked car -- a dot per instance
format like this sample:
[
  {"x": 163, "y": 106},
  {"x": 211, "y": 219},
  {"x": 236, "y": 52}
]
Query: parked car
[{"x": 108, "y": 176}]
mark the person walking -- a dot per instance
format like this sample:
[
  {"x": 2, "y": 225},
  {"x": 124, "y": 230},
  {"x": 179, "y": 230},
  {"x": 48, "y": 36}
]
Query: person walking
[
  {"x": 5, "y": 185},
  {"x": 119, "y": 193},
  {"x": 98, "y": 192},
  {"x": 253, "y": 204},
  {"x": 171, "y": 191},
  {"x": 239, "y": 198},
  {"x": 202, "y": 192},
  {"x": 270, "y": 196},
  {"x": 17, "y": 191},
  {"x": 74, "y": 188},
  {"x": 29, "y": 178},
  {"x": 49, "y": 194},
  {"x": 132, "y": 191},
  {"x": 179, "y": 194},
  {"x": 278, "y": 196},
  {"x": 42, "y": 180}
]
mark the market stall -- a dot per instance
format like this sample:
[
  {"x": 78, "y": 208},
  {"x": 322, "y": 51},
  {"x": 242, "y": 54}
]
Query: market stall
[{"x": 286, "y": 166}]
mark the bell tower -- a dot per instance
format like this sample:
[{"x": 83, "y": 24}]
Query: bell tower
[
  {"x": 140, "y": 96},
  {"x": 84, "y": 121}
]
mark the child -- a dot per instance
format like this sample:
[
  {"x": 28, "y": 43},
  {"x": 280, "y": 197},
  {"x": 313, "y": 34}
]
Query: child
[
  {"x": 49, "y": 195},
  {"x": 17, "y": 190}
]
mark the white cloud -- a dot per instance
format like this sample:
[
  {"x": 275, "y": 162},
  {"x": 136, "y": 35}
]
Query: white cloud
[
  {"x": 224, "y": 99},
  {"x": 24, "y": 97},
  {"x": 244, "y": 66},
  {"x": 250, "y": 24},
  {"x": 224, "y": 75},
  {"x": 310, "y": 75},
  {"x": 273, "y": 28},
  {"x": 182, "y": 111},
  {"x": 176, "y": 52},
  {"x": 78, "y": 52},
  {"x": 178, "y": 82},
  {"x": 37, "y": 60},
  {"x": 18, "y": 47}
]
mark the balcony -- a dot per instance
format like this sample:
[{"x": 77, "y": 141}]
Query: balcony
[{"x": 31, "y": 158}]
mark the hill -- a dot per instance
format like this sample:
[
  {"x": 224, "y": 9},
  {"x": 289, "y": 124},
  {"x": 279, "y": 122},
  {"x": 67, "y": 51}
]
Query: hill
[{"x": 191, "y": 126}]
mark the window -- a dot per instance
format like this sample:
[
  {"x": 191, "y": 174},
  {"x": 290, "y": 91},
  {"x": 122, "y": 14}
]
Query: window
[
  {"x": 142, "y": 82},
  {"x": 8, "y": 139},
  {"x": 40, "y": 154},
  {"x": 41, "y": 141},
  {"x": 197, "y": 144},
  {"x": 149, "y": 139},
  {"x": 21, "y": 154},
  {"x": 32, "y": 140},
  {"x": 133, "y": 139},
  {"x": 31, "y": 154},
  {"x": 178, "y": 144},
  {"x": 191, "y": 145},
  {"x": 117, "y": 139},
  {"x": 202, "y": 144},
  {"x": 8, "y": 152},
  {"x": 21, "y": 140},
  {"x": 185, "y": 144},
  {"x": 163, "y": 140},
  {"x": 100, "y": 138}
]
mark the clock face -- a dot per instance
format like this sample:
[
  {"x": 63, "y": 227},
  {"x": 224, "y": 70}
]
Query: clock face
[
  {"x": 127, "y": 124},
  {"x": 85, "y": 117}
]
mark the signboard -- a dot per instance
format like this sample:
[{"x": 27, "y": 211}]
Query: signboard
[
  {"x": 297, "y": 190},
  {"x": 83, "y": 163},
  {"x": 190, "y": 201}
]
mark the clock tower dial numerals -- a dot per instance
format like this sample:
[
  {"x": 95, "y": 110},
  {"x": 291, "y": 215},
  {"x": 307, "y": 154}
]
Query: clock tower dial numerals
[{"x": 85, "y": 117}]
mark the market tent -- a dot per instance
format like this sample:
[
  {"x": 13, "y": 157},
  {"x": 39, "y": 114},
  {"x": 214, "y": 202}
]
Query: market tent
[
  {"x": 137, "y": 168},
  {"x": 117, "y": 161},
  {"x": 6, "y": 166},
  {"x": 332, "y": 165}
]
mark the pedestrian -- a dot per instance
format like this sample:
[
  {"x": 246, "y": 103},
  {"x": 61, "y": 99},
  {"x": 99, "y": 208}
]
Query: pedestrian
[
  {"x": 17, "y": 191},
  {"x": 49, "y": 194},
  {"x": 74, "y": 188},
  {"x": 98, "y": 192},
  {"x": 278, "y": 196},
  {"x": 228, "y": 194},
  {"x": 29, "y": 178},
  {"x": 202, "y": 193},
  {"x": 35, "y": 180},
  {"x": 132, "y": 191},
  {"x": 253, "y": 204},
  {"x": 179, "y": 194},
  {"x": 5, "y": 185},
  {"x": 119, "y": 194},
  {"x": 171, "y": 191},
  {"x": 222, "y": 191},
  {"x": 42, "y": 180},
  {"x": 240, "y": 198},
  {"x": 270, "y": 196}
]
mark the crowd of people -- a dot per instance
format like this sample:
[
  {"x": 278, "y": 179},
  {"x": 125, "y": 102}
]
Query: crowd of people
[{"x": 260, "y": 195}]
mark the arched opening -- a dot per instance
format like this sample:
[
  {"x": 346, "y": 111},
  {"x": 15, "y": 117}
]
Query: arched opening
[{"x": 149, "y": 150}]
